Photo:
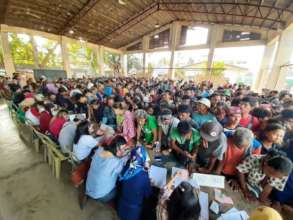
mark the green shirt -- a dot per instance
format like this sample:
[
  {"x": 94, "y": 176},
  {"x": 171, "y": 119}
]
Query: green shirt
[
  {"x": 194, "y": 141},
  {"x": 150, "y": 125}
]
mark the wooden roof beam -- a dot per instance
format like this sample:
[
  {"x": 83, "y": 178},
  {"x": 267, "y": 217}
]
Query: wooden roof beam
[
  {"x": 131, "y": 22},
  {"x": 77, "y": 17},
  {"x": 3, "y": 10}
]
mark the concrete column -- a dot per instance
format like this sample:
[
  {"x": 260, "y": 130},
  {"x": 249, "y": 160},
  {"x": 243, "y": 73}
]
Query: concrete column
[
  {"x": 65, "y": 58},
  {"x": 283, "y": 58},
  {"x": 214, "y": 35},
  {"x": 175, "y": 37},
  {"x": 145, "y": 47},
  {"x": 265, "y": 68},
  {"x": 123, "y": 58},
  {"x": 7, "y": 57},
  {"x": 101, "y": 61}
]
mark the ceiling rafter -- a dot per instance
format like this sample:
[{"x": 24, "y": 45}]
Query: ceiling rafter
[
  {"x": 281, "y": 12},
  {"x": 77, "y": 17},
  {"x": 3, "y": 11},
  {"x": 132, "y": 21}
]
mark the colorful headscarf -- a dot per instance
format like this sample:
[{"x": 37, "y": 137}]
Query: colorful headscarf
[{"x": 136, "y": 164}]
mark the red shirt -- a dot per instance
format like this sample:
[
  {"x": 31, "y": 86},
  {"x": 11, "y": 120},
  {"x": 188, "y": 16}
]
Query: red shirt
[
  {"x": 233, "y": 156},
  {"x": 250, "y": 122},
  {"x": 56, "y": 126},
  {"x": 45, "y": 119}
]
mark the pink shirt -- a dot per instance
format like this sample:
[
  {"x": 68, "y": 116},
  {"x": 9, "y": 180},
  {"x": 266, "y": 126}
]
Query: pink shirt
[{"x": 128, "y": 126}]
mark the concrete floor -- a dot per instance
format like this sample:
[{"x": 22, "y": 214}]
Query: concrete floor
[{"x": 28, "y": 191}]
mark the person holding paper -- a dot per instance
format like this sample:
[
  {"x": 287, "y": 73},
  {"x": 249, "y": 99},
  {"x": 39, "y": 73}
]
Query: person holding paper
[
  {"x": 259, "y": 174},
  {"x": 181, "y": 203},
  {"x": 135, "y": 185},
  {"x": 212, "y": 148},
  {"x": 185, "y": 142}
]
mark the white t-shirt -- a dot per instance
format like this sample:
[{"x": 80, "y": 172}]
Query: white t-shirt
[
  {"x": 84, "y": 146},
  {"x": 165, "y": 128},
  {"x": 35, "y": 121}
]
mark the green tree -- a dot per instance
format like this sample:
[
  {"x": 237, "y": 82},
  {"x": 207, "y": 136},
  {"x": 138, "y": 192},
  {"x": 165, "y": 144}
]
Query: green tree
[{"x": 21, "y": 49}]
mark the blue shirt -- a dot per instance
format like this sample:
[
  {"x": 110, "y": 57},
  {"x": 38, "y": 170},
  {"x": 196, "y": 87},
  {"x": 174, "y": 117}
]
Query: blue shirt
[
  {"x": 103, "y": 174},
  {"x": 200, "y": 119},
  {"x": 108, "y": 91},
  {"x": 132, "y": 194}
]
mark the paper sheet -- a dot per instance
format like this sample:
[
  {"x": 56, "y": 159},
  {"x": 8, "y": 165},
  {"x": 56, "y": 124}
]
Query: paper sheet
[
  {"x": 158, "y": 176},
  {"x": 204, "y": 205},
  {"x": 192, "y": 182},
  {"x": 214, "y": 181},
  {"x": 214, "y": 207},
  {"x": 222, "y": 198},
  {"x": 240, "y": 215},
  {"x": 176, "y": 169}
]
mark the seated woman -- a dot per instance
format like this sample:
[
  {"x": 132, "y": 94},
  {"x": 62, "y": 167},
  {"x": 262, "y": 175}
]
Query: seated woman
[
  {"x": 259, "y": 174},
  {"x": 57, "y": 123},
  {"x": 135, "y": 185},
  {"x": 181, "y": 203},
  {"x": 84, "y": 140},
  {"x": 271, "y": 137},
  {"x": 32, "y": 115},
  {"x": 146, "y": 128},
  {"x": 184, "y": 142},
  {"x": 106, "y": 166}
]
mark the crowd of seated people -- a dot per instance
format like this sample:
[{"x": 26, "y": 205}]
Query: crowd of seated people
[{"x": 229, "y": 130}]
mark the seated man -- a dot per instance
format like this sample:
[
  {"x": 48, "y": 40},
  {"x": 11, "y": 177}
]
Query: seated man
[
  {"x": 213, "y": 147},
  {"x": 57, "y": 123},
  {"x": 185, "y": 142},
  {"x": 167, "y": 123}
]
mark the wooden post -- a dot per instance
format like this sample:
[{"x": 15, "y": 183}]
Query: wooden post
[
  {"x": 145, "y": 47},
  {"x": 65, "y": 58},
  {"x": 7, "y": 57}
]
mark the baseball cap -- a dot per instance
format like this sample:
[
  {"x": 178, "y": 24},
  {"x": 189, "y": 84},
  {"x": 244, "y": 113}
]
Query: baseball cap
[
  {"x": 211, "y": 131},
  {"x": 205, "y": 102},
  {"x": 265, "y": 213}
]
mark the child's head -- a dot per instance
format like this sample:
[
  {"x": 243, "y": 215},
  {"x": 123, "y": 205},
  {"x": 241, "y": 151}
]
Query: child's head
[
  {"x": 277, "y": 165},
  {"x": 247, "y": 104},
  {"x": 274, "y": 133},
  {"x": 183, "y": 203}
]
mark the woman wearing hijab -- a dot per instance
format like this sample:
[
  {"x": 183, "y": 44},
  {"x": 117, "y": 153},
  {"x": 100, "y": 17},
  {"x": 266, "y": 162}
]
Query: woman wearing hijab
[{"x": 135, "y": 185}]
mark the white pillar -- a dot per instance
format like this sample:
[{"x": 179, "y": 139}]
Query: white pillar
[
  {"x": 283, "y": 58},
  {"x": 145, "y": 47},
  {"x": 65, "y": 58},
  {"x": 214, "y": 35},
  {"x": 7, "y": 57},
  {"x": 101, "y": 61},
  {"x": 123, "y": 58},
  {"x": 175, "y": 37}
]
